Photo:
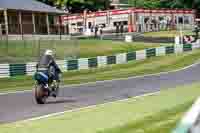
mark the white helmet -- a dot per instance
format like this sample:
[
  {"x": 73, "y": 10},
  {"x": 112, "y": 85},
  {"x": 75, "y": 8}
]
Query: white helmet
[{"x": 48, "y": 52}]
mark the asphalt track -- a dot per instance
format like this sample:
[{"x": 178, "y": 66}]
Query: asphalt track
[{"x": 21, "y": 106}]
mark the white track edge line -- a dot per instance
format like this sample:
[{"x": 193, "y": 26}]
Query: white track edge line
[
  {"x": 103, "y": 81},
  {"x": 89, "y": 107}
]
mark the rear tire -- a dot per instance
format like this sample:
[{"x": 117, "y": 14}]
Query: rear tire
[{"x": 40, "y": 95}]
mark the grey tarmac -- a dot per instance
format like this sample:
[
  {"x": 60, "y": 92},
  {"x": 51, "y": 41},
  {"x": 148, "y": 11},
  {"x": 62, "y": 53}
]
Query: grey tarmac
[{"x": 21, "y": 106}]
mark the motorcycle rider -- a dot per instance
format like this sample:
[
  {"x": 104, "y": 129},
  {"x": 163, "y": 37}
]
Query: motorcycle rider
[{"x": 47, "y": 62}]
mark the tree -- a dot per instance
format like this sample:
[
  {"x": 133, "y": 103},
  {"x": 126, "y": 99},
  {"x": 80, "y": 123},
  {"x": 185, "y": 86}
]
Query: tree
[
  {"x": 143, "y": 3},
  {"x": 77, "y": 6},
  {"x": 191, "y": 4},
  {"x": 48, "y": 2}
]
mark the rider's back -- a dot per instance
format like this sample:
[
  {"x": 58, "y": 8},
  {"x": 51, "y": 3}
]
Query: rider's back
[{"x": 45, "y": 61}]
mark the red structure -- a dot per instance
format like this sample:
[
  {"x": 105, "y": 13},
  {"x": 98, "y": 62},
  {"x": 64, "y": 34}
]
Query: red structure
[{"x": 133, "y": 19}]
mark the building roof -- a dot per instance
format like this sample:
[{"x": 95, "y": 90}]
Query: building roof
[
  {"x": 28, "y": 5},
  {"x": 115, "y": 2}
]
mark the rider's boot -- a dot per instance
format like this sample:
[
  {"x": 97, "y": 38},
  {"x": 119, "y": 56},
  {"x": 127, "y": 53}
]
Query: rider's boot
[{"x": 54, "y": 89}]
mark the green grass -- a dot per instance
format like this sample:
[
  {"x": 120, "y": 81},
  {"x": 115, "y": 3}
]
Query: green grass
[
  {"x": 24, "y": 51},
  {"x": 133, "y": 68},
  {"x": 163, "y": 121},
  {"x": 151, "y": 114},
  {"x": 171, "y": 33}
]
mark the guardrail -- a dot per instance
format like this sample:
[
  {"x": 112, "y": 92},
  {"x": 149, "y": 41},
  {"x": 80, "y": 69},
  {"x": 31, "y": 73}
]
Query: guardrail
[
  {"x": 191, "y": 121},
  {"x": 10, "y": 70}
]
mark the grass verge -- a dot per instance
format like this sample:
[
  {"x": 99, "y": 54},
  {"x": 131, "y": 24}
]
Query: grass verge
[
  {"x": 24, "y": 51},
  {"x": 171, "y": 33},
  {"x": 133, "y": 68},
  {"x": 150, "y": 114}
]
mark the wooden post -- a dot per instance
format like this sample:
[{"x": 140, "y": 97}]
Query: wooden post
[
  {"x": 47, "y": 22},
  {"x": 183, "y": 17},
  {"x": 60, "y": 26},
  {"x": 6, "y": 21},
  {"x": 177, "y": 20},
  {"x": 173, "y": 22},
  {"x": 1, "y": 32},
  {"x": 107, "y": 18},
  {"x": 20, "y": 22},
  {"x": 33, "y": 21},
  {"x": 85, "y": 20},
  {"x": 65, "y": 28}
]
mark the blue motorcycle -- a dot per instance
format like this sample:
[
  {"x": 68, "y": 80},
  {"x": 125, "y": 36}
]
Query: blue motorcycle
[{"x": 45, "y": 86}]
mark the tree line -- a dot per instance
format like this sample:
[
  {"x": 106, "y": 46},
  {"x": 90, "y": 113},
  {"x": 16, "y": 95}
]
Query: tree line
[
  {"x": 189, "y": 4},
  {"x": 77, "y": 6}
]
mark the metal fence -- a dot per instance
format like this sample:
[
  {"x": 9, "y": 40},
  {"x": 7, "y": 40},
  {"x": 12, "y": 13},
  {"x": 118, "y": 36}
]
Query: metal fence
[
  {"x": 19, "y": 51},
  {"x": 43, "y": 29},
  {"x": 29, "y": 47},
  {"x": 40, "y": 29}
]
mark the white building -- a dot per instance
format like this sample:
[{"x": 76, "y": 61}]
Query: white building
[{"x": 133, "y": 19}]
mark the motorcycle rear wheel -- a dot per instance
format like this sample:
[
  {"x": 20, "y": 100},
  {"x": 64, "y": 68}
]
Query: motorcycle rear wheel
[{"x": 40, "y": 96}]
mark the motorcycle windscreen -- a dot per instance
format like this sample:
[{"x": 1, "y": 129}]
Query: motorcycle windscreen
[{"x": 41, "y": 77}]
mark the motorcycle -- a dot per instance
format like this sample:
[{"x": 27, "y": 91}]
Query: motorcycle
[{"x": 45, "y": 86}]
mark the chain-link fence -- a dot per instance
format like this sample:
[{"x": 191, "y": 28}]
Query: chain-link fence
[
  {"x": 63, "y": 30},
  {"x": 31, "y": 29},
  {"x": 151, "y": 33},
  {"x": 19, "y": 48},
  {"x": 20, "y": 51}
]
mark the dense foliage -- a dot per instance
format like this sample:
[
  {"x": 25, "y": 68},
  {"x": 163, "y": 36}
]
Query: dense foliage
[
  {"x": 74, "y": 6},
  {"x": 194, "y": 4}
]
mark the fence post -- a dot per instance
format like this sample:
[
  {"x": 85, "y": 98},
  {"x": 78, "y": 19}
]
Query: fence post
[
  {"x": 21, "y": 25},
  {"x": 33, "y": 21},
  {"x": 47, "y": 23},
  {"x": 1, "y": 31},
  {"x": 60, "y": 27},
  {"x": 6, "y": 21},
  {"x": 38, "y": 48}
]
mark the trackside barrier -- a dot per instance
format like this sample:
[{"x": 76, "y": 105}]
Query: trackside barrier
[
  {"x": 82, "y": 63},
  {"x": 11, "y": 70},
  {"x": 150, "y": 52},
  {"x": 17, "y": 69},
  {"x": 31, "y": 68},
  {"x": 92, "y": 62},
  {"x": 4, "y": 70},
  {"x": 131, "y": 56},
  {"x": 121, "y": 58},
  {"x": 141, "y": 55},
  {"x": 102, "y": 61},
  {"x": 62, "y": 65},
  {"x": 191, "y": 121},
  {"x": 170, "y": 49}
]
